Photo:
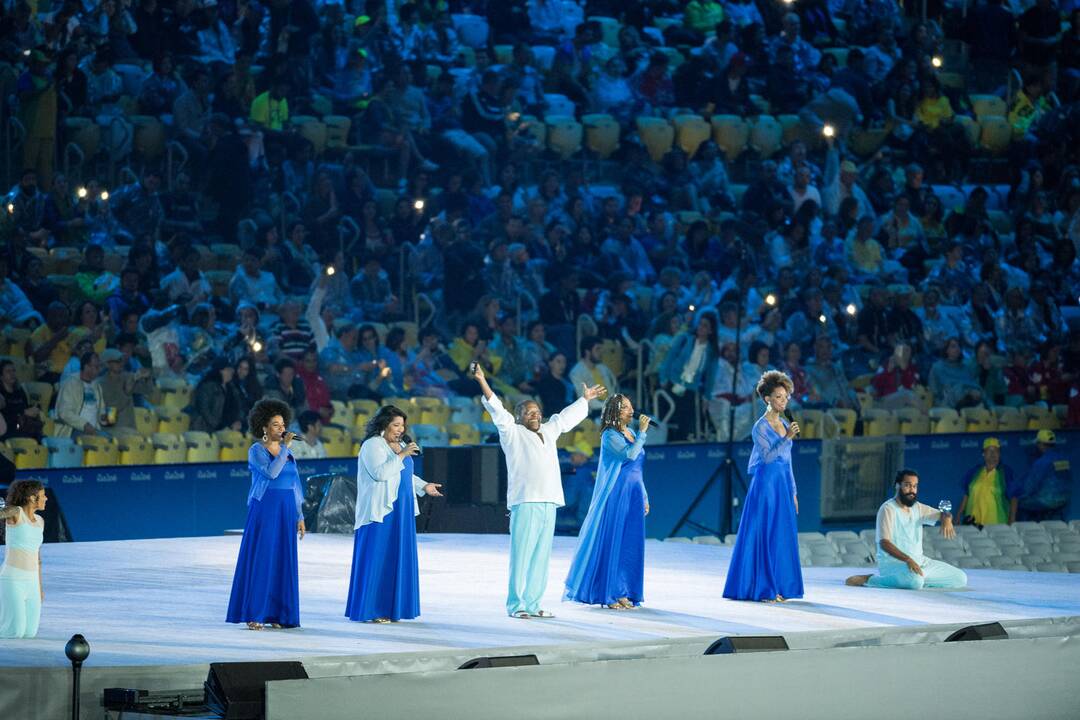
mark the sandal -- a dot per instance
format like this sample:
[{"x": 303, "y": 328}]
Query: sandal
[
  {"x": 521, "y": 615},
  {"x": 542, "y": 614},
  {"x": 626, "y": 603},
  {"x": 615, "y": 606},
  {"x": 381, "y": 621},
  {"x": 254, "y": 626}
]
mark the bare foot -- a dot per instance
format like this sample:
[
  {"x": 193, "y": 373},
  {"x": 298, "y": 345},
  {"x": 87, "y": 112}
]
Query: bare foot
[{"x": 857, "y": 580}]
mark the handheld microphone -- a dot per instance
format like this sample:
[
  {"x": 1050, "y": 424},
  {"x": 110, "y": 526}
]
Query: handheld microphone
[
  {"x": 299, "y": 438},
  {"x": 405, "y": 439},
  {"x": 788, "y": 416},
  {"x": 651, "y": 420}
]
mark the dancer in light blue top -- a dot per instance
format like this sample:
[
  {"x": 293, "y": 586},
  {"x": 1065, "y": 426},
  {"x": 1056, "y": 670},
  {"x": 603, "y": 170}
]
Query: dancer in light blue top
[
  {"x": 901, "y": 563},
  {"x": 21, "y": 589}
]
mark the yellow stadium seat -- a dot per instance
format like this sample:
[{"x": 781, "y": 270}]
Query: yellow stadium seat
[
  {"x": 792, "y": 129},
  {"x": 611, "y": 354},
  {"x": 675, "y": 58},
  {"x": 146, "y": 422},
  {"x": 809, "y": 423},
  {"x": 865, "y": 143},
  {"x": 979, "y": 419},
  {"x": 839, "y": 53},
  {"x": 98, "y": 451},
  {"x": 845, "y": 420},
  {"x": 29, "y": 453},
  {"x": 463, "y": 434},
  {"x": 996, "y": 134},
  {"x": 169, "y": 448},
  {"x": 135, "y": 450},
  {"x": 731, "y": 134},
  {"x": 337, "y": 442},
  {"x": 971, "y": 128},
  {"x": 766, "y": 136},
  {"x": 412, "y": 332},
  {"x": 877, "y": 423},
  {"x": 535, "y": 129},
  {"x": 233, "y": 446},
  {"x": 601, "y": 134},
  {"x": 39, "y": 393},
  {"x": 564, "y": 135},
  {"x": 337, "y": 131},
  {"x": 1040, "y": 418},
  {"x": 364, "y": 407},
  {"x": 219, "y": 281},
  {"x": 946, "y": 420},
  {"x": 984, "y": 105},
  {"x": 172, "y": 420},
  {"x": 311, "y": 129},
  {"x": 913, "y": 421},
  {"x": 657, "y": 135},
  {"x": 175, "y": 394},
  {"x": 1010, "y": 418},
  {"x": 202, "y": 447},
  {"x": 226, "y": 255},
  {"x": 690, "y": 132}
]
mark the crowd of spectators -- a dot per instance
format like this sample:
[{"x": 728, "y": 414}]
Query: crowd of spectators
[{"x": 867, "y": 276}]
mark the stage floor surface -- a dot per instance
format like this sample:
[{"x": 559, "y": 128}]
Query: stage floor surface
[{"x": 162, "y": 602}]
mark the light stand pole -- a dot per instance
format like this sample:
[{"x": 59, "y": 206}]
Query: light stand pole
[{"x": 77, "y": 650}]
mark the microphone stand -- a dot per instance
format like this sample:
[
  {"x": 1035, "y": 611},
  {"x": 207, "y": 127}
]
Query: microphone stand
[{"x": 727, "y": 468}]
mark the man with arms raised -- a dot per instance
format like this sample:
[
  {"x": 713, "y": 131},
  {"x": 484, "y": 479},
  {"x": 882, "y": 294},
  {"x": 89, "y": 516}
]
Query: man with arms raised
[
  {"x": 900, "y": 559},
  {"x": 534, "y": 488}
]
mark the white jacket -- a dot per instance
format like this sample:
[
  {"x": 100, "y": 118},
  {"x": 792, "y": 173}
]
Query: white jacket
[{"x": 378, "y": 480}]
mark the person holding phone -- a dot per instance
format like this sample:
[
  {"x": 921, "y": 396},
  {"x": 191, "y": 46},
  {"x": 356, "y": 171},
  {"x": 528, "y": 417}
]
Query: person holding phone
[
  {"x": 534, "y": 488},
  {"x": 385, "y": 582},
  {"x": 266, "y": 584},
  {"x": 765, "y": 562},
  {"x": 609, "y": 565}
]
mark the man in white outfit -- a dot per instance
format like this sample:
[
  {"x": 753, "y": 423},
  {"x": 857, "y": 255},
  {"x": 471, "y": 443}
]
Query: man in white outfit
[{"x": 534, "y": 488}]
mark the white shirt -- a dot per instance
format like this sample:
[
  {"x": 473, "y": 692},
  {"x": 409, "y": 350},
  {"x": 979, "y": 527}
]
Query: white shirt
[
  {"x": 177, "y": 283},
  {"x": 532, "y": 460}
]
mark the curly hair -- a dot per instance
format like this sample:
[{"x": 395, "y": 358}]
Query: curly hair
[
  {"x": 382, "y": 419},
  {"x": 770, "y": 381},
  {"x": 611, "y": 417},
  {"x": 264, "y": 411},
  {"x": 20, "y": 492}
]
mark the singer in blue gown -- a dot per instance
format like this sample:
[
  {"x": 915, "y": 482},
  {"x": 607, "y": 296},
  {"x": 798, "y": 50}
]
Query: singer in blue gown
[
  {"x": 384, "y": 585},
  {"x": 266, "y": 584},
  {"x": 609, "y": 565},
  {"x": 765, "y": 561}
]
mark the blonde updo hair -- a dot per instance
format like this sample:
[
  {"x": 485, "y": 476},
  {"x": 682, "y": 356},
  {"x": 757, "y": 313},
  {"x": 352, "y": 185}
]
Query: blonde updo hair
[{"x": 772, "y": 380}]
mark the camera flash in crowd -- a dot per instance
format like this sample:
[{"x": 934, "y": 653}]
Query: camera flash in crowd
[
  {"x": 81, "y": 192},
  {"x": 418, "y": 205},
  {"x": 691, "y": 308},
  {"x": 936, "y": 61},
  {"x": 821, "y": 318},
  {"x": 330, "y": 270},
  {"x": 11, "y": 208},
  {"x": 770, "y": 299},
  {"x": 104, "y": 195},
  {"x": 256, "y": 346},
  {"x": 851, "y": 309},
  {"x": 828, "y": 131}
]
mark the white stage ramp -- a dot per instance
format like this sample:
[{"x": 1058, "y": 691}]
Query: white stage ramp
[{"x": 153, "y": 612}]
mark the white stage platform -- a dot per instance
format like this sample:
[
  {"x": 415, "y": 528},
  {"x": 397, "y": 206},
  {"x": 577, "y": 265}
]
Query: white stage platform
[
  {"x": 153, "y": 612},
  {"x": 155, "y": 602}
]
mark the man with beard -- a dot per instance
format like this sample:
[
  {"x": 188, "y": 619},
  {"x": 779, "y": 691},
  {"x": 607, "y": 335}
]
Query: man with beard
[
  {"x": 534, "y": 488},
  {"x": 900, "y": 559}
]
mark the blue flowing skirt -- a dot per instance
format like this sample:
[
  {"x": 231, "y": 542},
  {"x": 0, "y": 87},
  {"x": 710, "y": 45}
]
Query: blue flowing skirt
[
  {"x": 266, "y": 585},
  {"x": 385, "y": 581},
  {"x": 765, "y": 561},
  {"x": 616, "y": 566}
]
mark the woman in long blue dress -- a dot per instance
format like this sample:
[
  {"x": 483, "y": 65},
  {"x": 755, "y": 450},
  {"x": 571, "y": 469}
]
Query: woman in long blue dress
[
  {"x": 266, "y": 585},
  {"x": 765, "y": 562},
  {"x": 609, "y": 565},
  {"x": 385, "y": 581}
]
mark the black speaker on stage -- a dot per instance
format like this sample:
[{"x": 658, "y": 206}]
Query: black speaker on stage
[
  {"x": 988, "y": 631},
  {"x": 237, "y": 691},
  {"x": 747, "y": 644},
  {"x": 504, "y": 661}
]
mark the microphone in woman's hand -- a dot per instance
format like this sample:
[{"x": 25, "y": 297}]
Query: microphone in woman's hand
[
  {"x": 405, "y": 440},
  {"x": 789, "y": 417}
]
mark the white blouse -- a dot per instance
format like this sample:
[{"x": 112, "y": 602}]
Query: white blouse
[{"x": 378, "y": 479}]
